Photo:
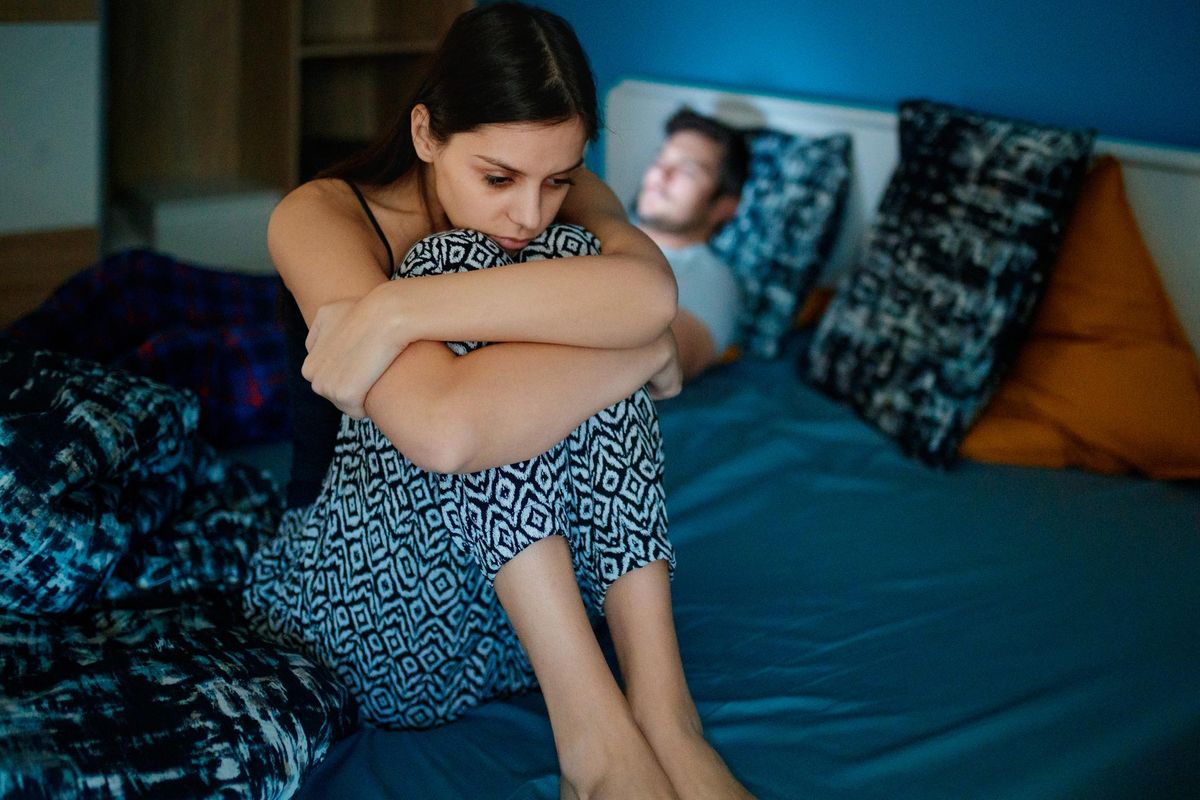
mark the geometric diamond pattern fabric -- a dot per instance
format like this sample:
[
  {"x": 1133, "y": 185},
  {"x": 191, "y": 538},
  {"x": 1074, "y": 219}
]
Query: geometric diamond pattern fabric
[{"x": 387, "y": 577}]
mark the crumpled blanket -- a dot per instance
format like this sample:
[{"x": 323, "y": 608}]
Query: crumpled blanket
[
  {"x": 106, "y": 493},
  {"x": 213, "y": 332},
  {"x": 124, "y": 539},
  {"x": 173, "y": 703}
]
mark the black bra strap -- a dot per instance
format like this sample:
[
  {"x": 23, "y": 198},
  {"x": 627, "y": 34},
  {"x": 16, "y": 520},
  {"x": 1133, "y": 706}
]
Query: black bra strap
[{"x": 374, "y": 222}]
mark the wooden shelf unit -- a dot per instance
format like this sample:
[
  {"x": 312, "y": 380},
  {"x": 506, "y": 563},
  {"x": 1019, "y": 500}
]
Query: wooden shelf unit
[
  {"x": 357, "y": 62},
  {"x": 263, "y": 92},
  {"x": 399, "y": 47}
]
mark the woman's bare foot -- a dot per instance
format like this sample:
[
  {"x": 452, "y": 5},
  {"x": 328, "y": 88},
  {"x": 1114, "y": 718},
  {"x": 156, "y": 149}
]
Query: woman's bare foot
[
  {"x": 614, "y": 766},
  {"x": 695, "y": 769}
]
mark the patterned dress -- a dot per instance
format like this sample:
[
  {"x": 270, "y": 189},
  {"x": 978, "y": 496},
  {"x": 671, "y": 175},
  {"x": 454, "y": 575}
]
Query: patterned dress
[{"x": 387, "y": 576}]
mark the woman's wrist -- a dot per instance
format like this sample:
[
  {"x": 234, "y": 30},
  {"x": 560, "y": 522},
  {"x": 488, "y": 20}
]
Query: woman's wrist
[{"x": 400, "y": 321}]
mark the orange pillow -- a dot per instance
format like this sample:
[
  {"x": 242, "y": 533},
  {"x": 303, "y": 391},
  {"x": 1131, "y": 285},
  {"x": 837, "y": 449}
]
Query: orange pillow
[
  {"x": 1106, "y": 380},
  {"x": 814, "y": 306}
]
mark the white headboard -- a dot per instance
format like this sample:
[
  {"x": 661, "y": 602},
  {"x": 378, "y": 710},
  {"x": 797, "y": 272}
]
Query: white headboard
[{"x": 1163, "y": 183}]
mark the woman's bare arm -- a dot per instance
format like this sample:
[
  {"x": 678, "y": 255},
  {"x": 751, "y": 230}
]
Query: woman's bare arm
[
  {"x": 622, "y": 299},
  {"x": 506, "y": 402},
  {"x": 497, "y": 405},
  {"x": 323, "y": 251}
]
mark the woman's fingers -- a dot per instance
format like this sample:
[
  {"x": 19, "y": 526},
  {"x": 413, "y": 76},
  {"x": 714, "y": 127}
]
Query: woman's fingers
[
  {"x": 350, "y": 403},
  {"x": 346, "y": 354}
]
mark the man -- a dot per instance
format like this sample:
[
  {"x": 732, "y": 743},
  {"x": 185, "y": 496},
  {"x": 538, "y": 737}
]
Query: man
[{"x": 690, "y": 190}]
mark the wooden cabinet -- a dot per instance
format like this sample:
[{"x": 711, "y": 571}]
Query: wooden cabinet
[
  {"x": 357, "y": 62},
  {"x": 258, "y": 92}
]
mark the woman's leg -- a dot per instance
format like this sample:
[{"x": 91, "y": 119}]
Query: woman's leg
[
  {"x": 601, "y": 751},
  {"x": 506, "y": 518},
  {"x": 638, "y": 609},
  {"x": 619, "y": 530}
]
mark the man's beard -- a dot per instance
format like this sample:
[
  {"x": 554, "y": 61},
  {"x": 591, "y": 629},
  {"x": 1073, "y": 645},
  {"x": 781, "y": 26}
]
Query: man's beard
[
  {"x": 663, "y": 224},
  {"x": 672, "y": 226}
]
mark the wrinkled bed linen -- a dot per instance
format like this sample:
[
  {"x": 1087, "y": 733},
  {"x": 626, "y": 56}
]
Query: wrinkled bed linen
[
  {"x": 213, "y": 332},
  {"x": 106, "y": 494},
  {"x": 122, "y": 671},
  {"x": 173, "y": 703}
]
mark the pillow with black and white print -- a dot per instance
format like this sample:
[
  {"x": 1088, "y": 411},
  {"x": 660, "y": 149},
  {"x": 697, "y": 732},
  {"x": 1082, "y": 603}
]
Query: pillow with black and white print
[
  {"x": 784, "y": 229},
  {"x": 919, "y": 334}
]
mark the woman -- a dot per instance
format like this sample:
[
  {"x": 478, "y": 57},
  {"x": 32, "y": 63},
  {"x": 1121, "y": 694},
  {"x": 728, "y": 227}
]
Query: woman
[{"x": 452, "y": 531}]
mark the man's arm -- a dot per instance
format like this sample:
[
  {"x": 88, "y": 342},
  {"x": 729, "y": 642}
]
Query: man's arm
[{"x": 696, "y": 349}]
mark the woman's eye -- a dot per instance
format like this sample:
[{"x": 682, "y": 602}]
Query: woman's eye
[
  {"x": 495, "y": 180},
  {"x": 561, "y": 182}
]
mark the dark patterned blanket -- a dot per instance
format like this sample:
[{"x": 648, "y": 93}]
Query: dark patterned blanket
[
  {"x": 215, "y": 333},
  {"x": 123, "y": 673}
]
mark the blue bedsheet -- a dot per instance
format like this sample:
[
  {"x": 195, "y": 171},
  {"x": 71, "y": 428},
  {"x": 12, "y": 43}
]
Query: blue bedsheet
[{"x": 856, "y": 625}]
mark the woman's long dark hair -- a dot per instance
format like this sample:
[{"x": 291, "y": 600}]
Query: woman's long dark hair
[{"x": 507, "y": 62}]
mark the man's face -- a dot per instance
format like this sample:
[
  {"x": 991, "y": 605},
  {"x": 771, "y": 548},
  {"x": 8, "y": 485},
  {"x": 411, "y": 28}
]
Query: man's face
[{"x": 678, "y": 191}]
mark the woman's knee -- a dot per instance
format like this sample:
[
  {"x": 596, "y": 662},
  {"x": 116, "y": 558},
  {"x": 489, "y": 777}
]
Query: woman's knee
[
  {"x": 561, "y": 240},
  {"x": 455, "y": 250}
]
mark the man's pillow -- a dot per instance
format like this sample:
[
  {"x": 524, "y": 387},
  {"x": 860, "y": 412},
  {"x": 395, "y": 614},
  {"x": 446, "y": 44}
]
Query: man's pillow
[
  {"x": 1107, "y": 379},
  {"x": 784, "y": 229},
  {"x": 920, "y": 331}
]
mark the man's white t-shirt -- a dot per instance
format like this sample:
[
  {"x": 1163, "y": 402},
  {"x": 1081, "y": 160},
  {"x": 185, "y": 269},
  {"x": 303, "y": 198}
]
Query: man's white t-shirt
[{"x": 707, "y": 290}]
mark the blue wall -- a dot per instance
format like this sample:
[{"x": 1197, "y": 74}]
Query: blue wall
[{"x": 1129, "y": 69}]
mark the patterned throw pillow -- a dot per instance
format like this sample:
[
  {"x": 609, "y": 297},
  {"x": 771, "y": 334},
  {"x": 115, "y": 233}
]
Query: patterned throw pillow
[
  {"x": 784, "y": 229},
  {"x": 919, "y": 334}
]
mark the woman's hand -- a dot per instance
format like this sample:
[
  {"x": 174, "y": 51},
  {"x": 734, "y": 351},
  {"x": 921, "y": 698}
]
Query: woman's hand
[
  {"x": 668, "y": 380},
  {"x": 350, "y": 344}
]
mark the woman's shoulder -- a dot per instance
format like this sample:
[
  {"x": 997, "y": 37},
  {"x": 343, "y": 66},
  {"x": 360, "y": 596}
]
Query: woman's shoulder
[
  {"x": 332, "y": 202},
  {"x": 321, "y": 207},
  {"x": 320, "y": 222},
  {"x": 321, "y": 195}
]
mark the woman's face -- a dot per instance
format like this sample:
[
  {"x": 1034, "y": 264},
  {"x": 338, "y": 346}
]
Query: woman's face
[{"x": 504, "y": 180}]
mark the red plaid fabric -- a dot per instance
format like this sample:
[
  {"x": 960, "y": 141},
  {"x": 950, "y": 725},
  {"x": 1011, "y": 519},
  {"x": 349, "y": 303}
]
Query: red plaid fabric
[{"x": 215, "y": 333}]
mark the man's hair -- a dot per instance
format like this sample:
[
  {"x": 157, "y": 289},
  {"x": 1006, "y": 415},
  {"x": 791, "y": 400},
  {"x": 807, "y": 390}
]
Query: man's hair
[{"x": 736, "y": 160}]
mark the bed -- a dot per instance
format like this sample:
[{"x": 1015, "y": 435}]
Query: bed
[
  {"x": 853, "y": 622},
  {"x": 854, "y": 625}
]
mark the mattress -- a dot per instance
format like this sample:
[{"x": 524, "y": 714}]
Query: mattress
[{"x": 856, "y": 625}]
